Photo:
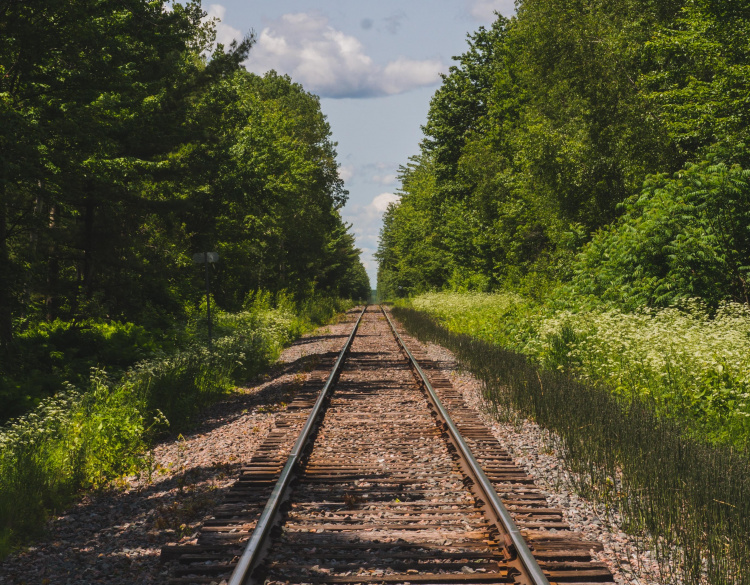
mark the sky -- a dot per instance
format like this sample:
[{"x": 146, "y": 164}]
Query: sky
[{"x": 375, "y": 66}]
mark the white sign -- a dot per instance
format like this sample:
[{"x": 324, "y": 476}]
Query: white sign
[{"x": 202, "y": 257}]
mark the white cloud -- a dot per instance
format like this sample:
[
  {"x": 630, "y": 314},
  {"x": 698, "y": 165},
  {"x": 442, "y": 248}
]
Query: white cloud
[
  {"x": 225, "y": 34},
  {"x": 346, "y": 172},
  {"x": 333, "y": 64},
  {"x": 367, "y": 218},
  {"x": 380, "y": 173},
  {"x": 484, "y": 10},
  {"x": 381, "y": 202}
]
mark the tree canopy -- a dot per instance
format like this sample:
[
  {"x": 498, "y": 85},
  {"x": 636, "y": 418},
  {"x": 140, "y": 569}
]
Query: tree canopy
[
  {"x": 130, "y": 141},
  {"x": 561, "y": 142}
]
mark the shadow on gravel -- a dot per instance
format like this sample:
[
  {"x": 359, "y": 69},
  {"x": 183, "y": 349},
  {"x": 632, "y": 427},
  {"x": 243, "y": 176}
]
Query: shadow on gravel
[
  {"x": 115, "y": 536},
  {"x": 314, "y": 338},
  {"x": 277, "y": 390}
]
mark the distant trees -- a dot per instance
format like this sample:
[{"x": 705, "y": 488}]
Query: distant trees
[
  {"x": 124, "y": 148},
  {"x": 547, "y": 130}
]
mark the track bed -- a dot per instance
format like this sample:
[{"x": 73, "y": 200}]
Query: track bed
[{"x": 381, "y": 495}]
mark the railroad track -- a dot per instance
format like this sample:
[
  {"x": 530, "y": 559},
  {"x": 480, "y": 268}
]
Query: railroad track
[{"x": 369, "y": 477}]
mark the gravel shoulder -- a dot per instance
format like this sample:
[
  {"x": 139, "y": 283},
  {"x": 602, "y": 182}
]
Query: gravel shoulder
[{"x": 115, "y": 535}]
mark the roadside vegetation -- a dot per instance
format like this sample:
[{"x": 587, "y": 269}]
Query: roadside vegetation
[
  {"x": 687, "y": 362},
  {"x": 130, "y": 142},
  {"x": 89, "y": 434},
  {"x": 600, "y": 146}
]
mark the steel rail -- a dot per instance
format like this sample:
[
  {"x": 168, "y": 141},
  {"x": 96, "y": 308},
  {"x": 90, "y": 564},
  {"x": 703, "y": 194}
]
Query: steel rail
[
  {"x": 242, "y": 573},
  {"x": 533, "y": 570}
]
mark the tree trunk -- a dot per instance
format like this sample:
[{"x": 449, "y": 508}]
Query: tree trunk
[
  {"x": 6, "y": 297},
  {"x": 51, "y": 301}
]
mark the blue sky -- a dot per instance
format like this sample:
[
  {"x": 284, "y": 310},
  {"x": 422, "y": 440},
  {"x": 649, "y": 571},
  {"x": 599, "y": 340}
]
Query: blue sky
[{"x": 375, "y": 66}]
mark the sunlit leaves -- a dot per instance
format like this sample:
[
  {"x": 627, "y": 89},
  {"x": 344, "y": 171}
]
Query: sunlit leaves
[{"x": 682, "y": 237}]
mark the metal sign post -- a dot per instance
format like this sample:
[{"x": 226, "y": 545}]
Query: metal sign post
[{"x": 207, "y": 258}]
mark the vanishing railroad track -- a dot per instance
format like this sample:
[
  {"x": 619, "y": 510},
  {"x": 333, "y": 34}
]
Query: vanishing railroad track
[{"x": 366, "y": 479}]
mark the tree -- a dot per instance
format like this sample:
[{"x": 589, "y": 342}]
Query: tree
[
  {"x": 551, "y": 121},
  {"x": 94, "y": 93},
  {"x": 264, "y": 188}
]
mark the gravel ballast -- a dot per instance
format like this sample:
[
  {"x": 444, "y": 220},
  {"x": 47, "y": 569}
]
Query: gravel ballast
[{"x": 116, "y": 535}]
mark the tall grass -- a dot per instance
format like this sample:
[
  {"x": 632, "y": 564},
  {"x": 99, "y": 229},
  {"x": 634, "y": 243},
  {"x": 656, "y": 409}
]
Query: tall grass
[
  {"x": 688, "y": 361},
  {"x": 83, "y": 438},
  {"x": 692, "y": 498}
]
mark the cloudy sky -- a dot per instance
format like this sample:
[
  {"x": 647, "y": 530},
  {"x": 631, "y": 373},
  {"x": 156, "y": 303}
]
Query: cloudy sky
[{"x": 375, "y": 66}]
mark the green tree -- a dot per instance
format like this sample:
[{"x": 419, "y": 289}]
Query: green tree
[
  {"x": 551, "y": 121},
  {"x": 683, "y": 237},
  {"x": 96, "y": 92},
  {"x": 264, "y": 188}
]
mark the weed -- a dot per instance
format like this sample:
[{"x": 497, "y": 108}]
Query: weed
[{"x": 81, "y": 439}]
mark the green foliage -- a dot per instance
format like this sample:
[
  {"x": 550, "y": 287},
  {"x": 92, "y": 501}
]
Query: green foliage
[
  {"x": 69, "y": 441},
  {"x": 685, "y": 361},
  {"x": 591, "y": 156},
  {"x": 267, "y": 196},
  {"x": 562, "y": 125},
  {"x": 682, "y": 237},
  {"x": 48, "y": 355},
  {"x": 409, "y": 261},
  {"x": 697, "y": 77},
  {"x": 128, "y": 143},
  {"x": 687, "y": 500},
  {"x": 82, "y": 439}
]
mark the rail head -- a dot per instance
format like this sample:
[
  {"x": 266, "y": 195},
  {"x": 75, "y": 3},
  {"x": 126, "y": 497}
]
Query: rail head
[
  {"x": 532, "y": 569},
  {"x": 243, "y": 572}
]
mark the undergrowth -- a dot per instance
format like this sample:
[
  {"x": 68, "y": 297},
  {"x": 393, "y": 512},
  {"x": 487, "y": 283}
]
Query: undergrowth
[
  {"x": 687, "y": 360},
  {"x": 691, "y": 497},
  {"x": 84, "y": 437}
]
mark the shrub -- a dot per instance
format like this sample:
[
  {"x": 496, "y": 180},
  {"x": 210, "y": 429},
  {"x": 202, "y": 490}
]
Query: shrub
[
  {"x": 681, "y": 237},
  {"x": 81, "y": 439},
  {"x": 46, "y": 356}
]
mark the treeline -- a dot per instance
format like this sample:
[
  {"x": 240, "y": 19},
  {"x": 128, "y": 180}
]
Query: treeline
[
  {"x": 597, "y": 144},
  {"x": 128, "y": 142}
]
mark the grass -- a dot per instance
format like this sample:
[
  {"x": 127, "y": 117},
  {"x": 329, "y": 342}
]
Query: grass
[
  {"x": 690, "y": 363},
  {"x": 83, "y": 438},
  {"x": 690, "y": 496}
]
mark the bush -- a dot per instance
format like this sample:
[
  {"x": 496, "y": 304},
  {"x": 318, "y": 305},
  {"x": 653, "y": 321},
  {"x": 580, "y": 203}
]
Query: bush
[
  {"x": 681, "y": 237},
  {"x": 76, "y": 440},
  {"x": 46, "y": 356}
]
